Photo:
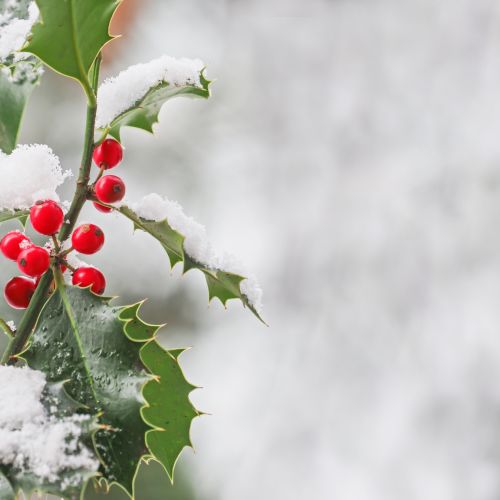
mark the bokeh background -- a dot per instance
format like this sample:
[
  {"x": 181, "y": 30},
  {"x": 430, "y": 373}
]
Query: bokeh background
[{"x": 350, "y": 155}]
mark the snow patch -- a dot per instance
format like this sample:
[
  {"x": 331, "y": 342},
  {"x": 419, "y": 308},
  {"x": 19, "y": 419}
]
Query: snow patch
[
  {"x": 65, "y": 205},
  {"x": 122, "y": 92},
  {"x": 73, "y": 259},
  {"x": 14, "y": 33},
  {"x": 32, "y": 439},
  {"x": 31, "y": 173},
  {"x": 196, "y": 244}
]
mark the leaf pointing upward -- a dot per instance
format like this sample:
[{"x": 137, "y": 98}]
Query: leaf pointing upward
[{"x": 71, "y": 34}]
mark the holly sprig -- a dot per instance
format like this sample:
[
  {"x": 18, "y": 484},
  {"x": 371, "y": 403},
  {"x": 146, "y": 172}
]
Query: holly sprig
[
  {"x": 70, "y": 36},
  {"x": 107, "y": 357}
]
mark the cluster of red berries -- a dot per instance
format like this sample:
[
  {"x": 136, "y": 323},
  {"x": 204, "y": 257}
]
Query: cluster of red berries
[{"x": 47, "y": 218}]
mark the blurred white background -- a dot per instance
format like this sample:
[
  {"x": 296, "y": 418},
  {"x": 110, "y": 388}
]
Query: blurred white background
[{"x": 350, "y": 155}]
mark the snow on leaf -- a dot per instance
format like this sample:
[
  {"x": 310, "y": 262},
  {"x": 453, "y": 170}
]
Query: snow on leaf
[
  {"x": 135, "y": 96},
  {"x": 30, "y": 173},
  {"x": 21, "y": 215},
  {"x": 16, "y": 22},
  {"x": 185, "y": 241},
  {"x": 104, "y": 353},
  {"x": 21, "y": 71},
  {"x": 43, "y": 436}
]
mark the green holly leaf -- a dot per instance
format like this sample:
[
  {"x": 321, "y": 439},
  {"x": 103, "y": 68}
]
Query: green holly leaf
[
  {"x": 106, "y": 354},
  {"x": 13, "y": 99},
  {"x": 6, "y": 490},
  {"x": 21, "y": 215},
  {"x": 169, "y": 412},
  {"x": 171, "y": 431},
  {"x": 71, "y": 34},
  {"x": 70, "y": 481},
  {"x": 18, "y": 78},
  {"x": 144, "y": 113},
  {"x": 103, "y": 370},
  {"x": 221, "y": 284}
]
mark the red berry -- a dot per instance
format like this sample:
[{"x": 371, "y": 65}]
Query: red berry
[
  {"x": 13, "y": 243},
  {"x": 108, "y": 154},
  {"x": 33, "y": 261},
  {"x": 90, "y": 276},
  {"x": 110, "y": 189},
  {"x": 102, "y": 208},
  {"x": 46, "y": 217},
  {"x": 18, "y": 292},
  {"x": 87, "y": 239}
]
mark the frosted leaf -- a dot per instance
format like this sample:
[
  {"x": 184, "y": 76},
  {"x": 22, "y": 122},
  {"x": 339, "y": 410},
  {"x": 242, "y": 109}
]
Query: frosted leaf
[
  {"x": 32, "y": 438},
  {"x": 15, "y": 29},
  {"x": 120, "y": 93},
  {"x": 196, "y": 243},
  {"x": 253, "y": 291},
  {"x": 29, "y": 174}
]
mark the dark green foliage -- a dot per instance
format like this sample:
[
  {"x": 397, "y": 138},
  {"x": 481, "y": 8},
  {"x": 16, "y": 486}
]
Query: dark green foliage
[{"x": 116, "y": 369}]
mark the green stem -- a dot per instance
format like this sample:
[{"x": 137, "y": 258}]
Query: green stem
[
  {"x": 30, "y": 317},
  {"x": 57, "y": 248},
  {"x": 83, "y": 178},
  {"x": 90, "y": 92},
  {"x": 70, "y": 267},
  {"x": 27, "y": 323},
  {"x": 102, "y": 169},
  {"x": 66, "y": 252}
]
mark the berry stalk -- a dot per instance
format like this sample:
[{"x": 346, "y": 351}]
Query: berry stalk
[{"x": 28, "y": 321}]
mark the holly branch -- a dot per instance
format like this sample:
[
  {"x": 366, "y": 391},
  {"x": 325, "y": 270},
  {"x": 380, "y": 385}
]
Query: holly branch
[{"x": 91, "y": 367}]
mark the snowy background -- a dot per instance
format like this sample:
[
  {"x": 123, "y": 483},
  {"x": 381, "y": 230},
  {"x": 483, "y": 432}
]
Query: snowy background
[{"x": 350, "y": 156}]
